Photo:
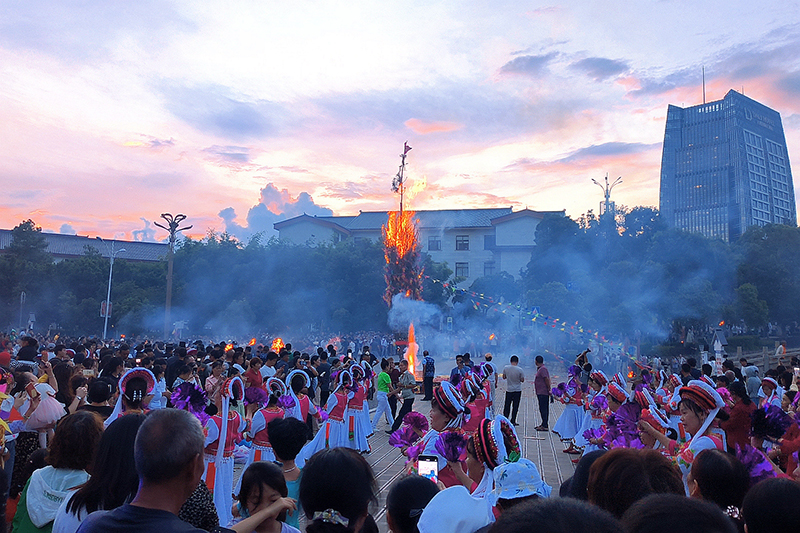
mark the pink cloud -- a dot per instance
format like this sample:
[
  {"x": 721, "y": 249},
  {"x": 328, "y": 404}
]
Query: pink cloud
[{"x": 421, "y": 127}]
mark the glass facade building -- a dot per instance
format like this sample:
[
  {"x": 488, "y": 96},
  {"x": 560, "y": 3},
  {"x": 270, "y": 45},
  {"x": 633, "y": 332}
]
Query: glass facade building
[{"x": 725, "y": 168}]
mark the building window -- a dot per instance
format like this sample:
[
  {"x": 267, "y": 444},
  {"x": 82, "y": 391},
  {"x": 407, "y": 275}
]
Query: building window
[
  {"x": 489, "y": 242},
  {"x": 488, "y": 268},
  {"x": 462, "y": 242},
  {"x": 434, "y": 244},
  {"x": 462, "y": 270}
]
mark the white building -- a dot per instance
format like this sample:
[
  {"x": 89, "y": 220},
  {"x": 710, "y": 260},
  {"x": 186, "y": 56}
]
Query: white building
[{"x": 473, "y": 242}]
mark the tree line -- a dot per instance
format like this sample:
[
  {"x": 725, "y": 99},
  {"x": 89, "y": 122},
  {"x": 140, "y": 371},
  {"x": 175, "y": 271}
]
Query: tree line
[{"x": 625, "y": 275}]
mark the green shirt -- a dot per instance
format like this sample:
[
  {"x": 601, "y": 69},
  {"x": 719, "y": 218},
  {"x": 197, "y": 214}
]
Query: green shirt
[{"x": 383, "y": 383}]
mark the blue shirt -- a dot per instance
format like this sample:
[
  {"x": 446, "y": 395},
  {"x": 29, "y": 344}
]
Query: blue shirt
[{"x": 429, "y": 367}]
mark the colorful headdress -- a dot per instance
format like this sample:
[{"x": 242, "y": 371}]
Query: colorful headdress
[
  {"x": 675, "y": 380},
  {"x": 449, "y": 400},
  {"x": 620, "y": 379},
  {"x": 295, "y": 410},
  {"x": 770, "y": 381},
  {"x": 708, "y": 381},
  {"x": 600, "y": 377},
  {"x": 469, "y": 388},
  {"x": 130, "y": 374},
  {"x": 490, "y": 442},
  {"x": 617, "y": 392},
  {"x": 643, "y": 398},
  {"x": 656, "y": 418},
  {"x": 368, "y": 373},
  {"x": 190, "y": 397},
  {"x": 276, "y": 387},
  {"x": 357, "y": 371},
  {"x": 233, "y": 388},
  {"x": 706, "y": 397}
]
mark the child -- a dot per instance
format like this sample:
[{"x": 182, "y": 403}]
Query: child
[
  {"x": 263, "y": 500},
  {"x": 288, "y": 435}
]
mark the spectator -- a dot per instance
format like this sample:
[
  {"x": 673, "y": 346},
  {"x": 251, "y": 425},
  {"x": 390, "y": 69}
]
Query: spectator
[
  {"x": 737, "y": 427},
  {"x": 556, "y": 515},
  {"x": 453, "y": 510},
  {"x": 623, "y": 476},
  {"x": 406, "y": 383},
  {"x": 262, "y": 500},
  {"x": 670, "y": 513},
  {"x": 288, "y": 435},
  {"x": 575, "y": 487},
  {"x": 428, "y": 373},
  {"x": 383, "y": 386},
  {"x": 99, "y": 393},
  {"x": 168, "y": 454},
  {"x": 113, "y": 482},
  {"x": 336, "y": 490},
  {"x": 720, "y": 478},
  {"x": 405, "y": 502},
  {"x": 324, "y": 377},
  {"x": 69, "y": 455},
  {"x": 458, "y": 372},
  {"x": 771, "y": 507}
]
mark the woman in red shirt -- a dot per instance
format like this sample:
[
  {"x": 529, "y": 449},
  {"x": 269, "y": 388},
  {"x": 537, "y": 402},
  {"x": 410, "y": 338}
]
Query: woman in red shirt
[{"x": 737, "y": 427}]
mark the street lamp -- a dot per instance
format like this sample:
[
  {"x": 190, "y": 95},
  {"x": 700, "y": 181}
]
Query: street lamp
[
  {"x": 172, "y": 227},
  {"x": 607, "y": 191},
  {"x": 112, "y": 254}
]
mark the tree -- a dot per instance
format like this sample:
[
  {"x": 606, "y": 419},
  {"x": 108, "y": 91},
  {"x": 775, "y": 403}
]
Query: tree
[{"x": 749, "y": 308}]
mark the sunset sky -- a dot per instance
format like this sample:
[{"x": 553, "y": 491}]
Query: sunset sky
[{"x": 240, "y": 114}]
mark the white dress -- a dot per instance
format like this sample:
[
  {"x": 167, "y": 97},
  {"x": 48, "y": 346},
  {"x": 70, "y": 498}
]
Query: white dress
[{"x": 333, "y": 433}]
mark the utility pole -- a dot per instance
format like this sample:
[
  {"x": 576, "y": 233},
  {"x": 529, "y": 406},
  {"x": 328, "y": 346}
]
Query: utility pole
[
  {"x": 111, "y": 255},
  {"x": 172, "y": 227},
  {"x": 398, "y": 183}
]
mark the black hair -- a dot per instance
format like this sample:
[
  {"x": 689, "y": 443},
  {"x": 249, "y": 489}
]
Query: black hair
[
  {"x": 407, "y": 497},
  {"x": 114, "y": 480},
  {"x": 258, "y": 475},
  {"x": 538, "y": 359},
  {"x": 738, "y": 389},
  {"x": 384, "y": 364},
  {"x": 672, "y": 513},
  {"x": 686, "y": 368},
  {"x": 287, "y": 436},
  {"x": 580, "y": 479},
  {"x": 721, "y": 478},
  {"x": 555, "y": 515},
  {"x": 298, "y": 382},
  {"x": 317, "y": 493},
  {"x": 134, "y": 393},
  {"x": 771, "y": 506}
]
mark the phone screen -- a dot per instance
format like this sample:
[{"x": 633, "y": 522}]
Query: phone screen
[
  {"x": 429, "y": 467},
  {"x": 31, "y": 388}
]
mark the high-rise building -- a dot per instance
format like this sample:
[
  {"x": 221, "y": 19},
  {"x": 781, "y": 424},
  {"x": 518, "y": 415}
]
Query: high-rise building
[{"x": 725, "y": 168}]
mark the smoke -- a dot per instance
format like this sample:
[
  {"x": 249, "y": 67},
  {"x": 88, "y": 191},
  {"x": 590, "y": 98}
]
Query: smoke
[
  {"x": 273, "y": 206},
  {"x": 67, "y": 229},
  {"x": 405, "y": 311}
]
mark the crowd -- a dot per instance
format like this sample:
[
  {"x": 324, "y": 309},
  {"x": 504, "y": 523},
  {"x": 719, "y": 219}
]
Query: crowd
[{"x": 100, "y": 438}]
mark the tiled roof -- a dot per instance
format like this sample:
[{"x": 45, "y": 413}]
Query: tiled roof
[
  {"x": 444, "y": 219},
  {"x": 62, "y": 246}
]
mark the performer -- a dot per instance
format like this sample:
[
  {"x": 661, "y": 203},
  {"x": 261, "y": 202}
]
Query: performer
[
  {"x": 356, "y": 435},
  {"x": 571, "y": 395},
  {"x": 333, "y": 432},
  {"x": 699, "y": 405},
  {"x": 472, "y": 395},
  {"x": 369, "y": 375},
  {"x": 772, "y": 394},
  {"x": 262, "y": 449},
  {"x": 595, "y": 406},
  {"x": 447, "y": 413},
  {"x": 135, "y": 386},
  {"x": 223, "y": 428},
  {"x": 297, "y": 382}
]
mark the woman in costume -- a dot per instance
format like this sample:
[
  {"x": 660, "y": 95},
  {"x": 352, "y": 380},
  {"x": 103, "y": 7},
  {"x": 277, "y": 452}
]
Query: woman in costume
[
  {"x": 368, "y": 377},
  {"x": 571, "y": 395},
  {"x": 356, "y": 436},
  {"x": 472, "y": 395},
  {"x": 447, "y": 413},
  {"x": 223, "y": 428},
  {"x": 333, "y": 432},
  {"x": 297, "y": 383},
  {"x": 261, "y": 449},
  {"x": 699, "y": 405},
  {"x": 595, "y": 406},
  {"x": 772, "y": 393},
  {"x": 135, "y": 386}
]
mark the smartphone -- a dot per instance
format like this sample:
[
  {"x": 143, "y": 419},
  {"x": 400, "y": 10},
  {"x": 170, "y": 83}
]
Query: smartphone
[
  {"x": 31, "y": 390},
  {"x": 429, "y": 467},
  {"x": 797, "y": 372},
  {"x": 88, "y": 372}
]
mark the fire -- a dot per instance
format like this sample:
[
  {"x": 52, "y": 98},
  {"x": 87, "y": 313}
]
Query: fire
[
  {"x": 228, "y": 347},
  {"x": 401, "y": 249},
  {"x": 252, "y": 342},
  {"x": 411, "y": 351},
  {"x": 491, "y": 337},
  {"x": 630, "y": 374},
  {"x": 277, "y": 345},
  {"x": 722, "y": 323}
]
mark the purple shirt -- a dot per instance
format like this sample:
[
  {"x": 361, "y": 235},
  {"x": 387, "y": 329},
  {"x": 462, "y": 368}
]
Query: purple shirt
[{"x": 540, "y": 381}]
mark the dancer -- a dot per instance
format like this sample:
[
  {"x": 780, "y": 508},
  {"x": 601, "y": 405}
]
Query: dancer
[
  {"x": 333, "y": 432},
  {"x": 223, "y": 427},
  {"x": 135, "y": 386},
  {"x": 356, "y": 436},
  {"x": 571, "y": 395},
  {"x": 595, "y": 406}
]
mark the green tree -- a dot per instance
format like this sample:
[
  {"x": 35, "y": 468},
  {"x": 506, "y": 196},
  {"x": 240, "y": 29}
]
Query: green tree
[{"x": 749, "y": 308}]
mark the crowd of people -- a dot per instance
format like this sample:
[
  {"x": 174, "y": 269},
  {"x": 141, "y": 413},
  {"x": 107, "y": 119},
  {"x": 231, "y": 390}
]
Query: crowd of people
[{"x": 100, "y": 438}]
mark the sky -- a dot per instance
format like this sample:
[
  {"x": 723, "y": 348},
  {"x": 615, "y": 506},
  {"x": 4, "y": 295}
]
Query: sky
[{"x": 243, "y": 113}]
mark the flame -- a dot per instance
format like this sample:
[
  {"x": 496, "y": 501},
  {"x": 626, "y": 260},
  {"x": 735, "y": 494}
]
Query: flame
[
  {"x": 252, "y": 342},
  {"x": 411, "y": 351},
  {"x": 228, "y": 347},
  {"x": 277, "y": 345},
  {"x": 491, "y": 337},
  {"x": 722, "y": 323},
  {"x": 417, "y": 186},
  {"x": 630, "y": 374},
  {"x": 401, "y": 251}
]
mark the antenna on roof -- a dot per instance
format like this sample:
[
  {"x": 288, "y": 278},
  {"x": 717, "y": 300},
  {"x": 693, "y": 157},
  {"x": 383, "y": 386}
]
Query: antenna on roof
[{"x": 704, "y": 84}]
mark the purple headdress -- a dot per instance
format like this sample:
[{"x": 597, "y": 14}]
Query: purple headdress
[
  {"x": 647, "y": 379},
  {"x": 416, "y": 421},
  {"x": 559, "y": 390},
  {"x": 574, "y": 371},
  {"x": 769, "y": 423},
  {"x": 255, "y": 395},
  {"x": 190, "y": 397},
  {"x": 757, "y": 464},
  {"x": 599, "y": 403},
  {"x": 286, "y": 402},
  {"x": 451, "y": 445}
]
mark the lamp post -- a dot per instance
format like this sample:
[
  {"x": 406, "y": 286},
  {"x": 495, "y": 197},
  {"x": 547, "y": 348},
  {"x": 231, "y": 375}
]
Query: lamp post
[
  {"x": 607, "y": 193},
  {"x": 112, "y": 254},
  {"x": 172, "y": 227}
]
